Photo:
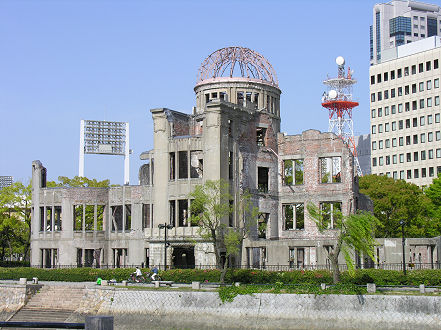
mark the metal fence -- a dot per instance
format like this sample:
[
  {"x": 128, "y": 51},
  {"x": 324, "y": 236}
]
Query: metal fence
[{"x": 278, "y": 267}]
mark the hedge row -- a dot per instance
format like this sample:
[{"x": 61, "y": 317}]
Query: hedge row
[
  {"x": 14, "y": 264},
  {"x": 246, "y": 276}
]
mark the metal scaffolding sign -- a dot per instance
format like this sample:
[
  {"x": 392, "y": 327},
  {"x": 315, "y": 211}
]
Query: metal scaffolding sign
[{"x": 104, "y": 138}]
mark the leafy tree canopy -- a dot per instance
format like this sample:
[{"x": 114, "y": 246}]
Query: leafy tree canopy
[
  {"x": 396, "y": 200},
  {"x": 355, "y": 233},
  {"x": 78, "y": 181},
  {"x": 15, "y": 219},
  {"x": 433, "y": 192},
  {"x": 210, "y": 209}
]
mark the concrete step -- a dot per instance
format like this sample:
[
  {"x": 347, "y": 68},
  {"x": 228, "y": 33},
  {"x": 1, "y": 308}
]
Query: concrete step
[
  {"x": 60, "y": 297},
  {"x": 50, "y": 304}
]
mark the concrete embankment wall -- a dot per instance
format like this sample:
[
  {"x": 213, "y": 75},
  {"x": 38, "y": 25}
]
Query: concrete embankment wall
[
  {"x": 135, "y": 309},
  {"x": 12, "y": 298},
  {"x": 140, "y": 309}
]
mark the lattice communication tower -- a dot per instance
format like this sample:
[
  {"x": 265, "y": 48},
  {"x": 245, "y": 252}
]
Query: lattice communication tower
[{"x": 338, "y": 100}]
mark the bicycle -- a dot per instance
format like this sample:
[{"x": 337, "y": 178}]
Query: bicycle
[
  {"x": 149, "y": 277},
  {"x": 136, "y": 279}
]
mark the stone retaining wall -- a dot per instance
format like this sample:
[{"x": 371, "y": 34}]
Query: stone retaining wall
[
  {"x": 12, "y": 298},
  {"x": 135, "y": 309}
]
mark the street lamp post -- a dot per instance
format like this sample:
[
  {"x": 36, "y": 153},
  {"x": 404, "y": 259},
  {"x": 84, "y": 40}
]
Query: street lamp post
[
  {"x": 165, "y": 227},
  {"x": 402, "y": 223}
]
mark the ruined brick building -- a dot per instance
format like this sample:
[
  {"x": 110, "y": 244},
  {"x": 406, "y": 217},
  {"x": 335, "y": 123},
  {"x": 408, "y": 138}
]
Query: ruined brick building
[{"x": 233, "y": 134}]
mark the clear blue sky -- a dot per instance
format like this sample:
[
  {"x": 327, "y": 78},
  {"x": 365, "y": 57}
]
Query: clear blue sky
[{"x": 63, "y": 61}]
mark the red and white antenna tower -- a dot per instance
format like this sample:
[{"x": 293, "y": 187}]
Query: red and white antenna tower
[{"x": 338, "y": 100}]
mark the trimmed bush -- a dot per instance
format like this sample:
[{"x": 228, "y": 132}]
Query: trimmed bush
[{"x": 245, "y": 276}]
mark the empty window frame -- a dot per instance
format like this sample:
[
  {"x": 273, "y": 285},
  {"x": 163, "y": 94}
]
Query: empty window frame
[
  {"x": 293, "y": 172},
  {"x": 293, "y": 216},
  {"x": 240, "y": 98},
  {"x": 183, "y": 213},
  {"x": 172, "y": 160},
  {"x": 196, "y": 164},
  {"x": 146, "y": 216},
  {"x": 57, "y": 218},
  {"x": 89, "y": 217},
  {"x": 263, "y": 179},
  {"x": 183, "y": 164},
  {"x": 330, "y": 169},
  {"x": 117, "y": 217},
  {"x": 120, "y": 257},
  {"x": 128, "y": 223},
  {"x": 262, "y": 224},
  {"x": 77, "y": 217},
  {"x": 172, "y": 212},
  {"x": 260, "y": 136},
  {"x": 330, "y": 214},
  {"x": 100, "y": 217},
  {"x": 48, "y": 218}
]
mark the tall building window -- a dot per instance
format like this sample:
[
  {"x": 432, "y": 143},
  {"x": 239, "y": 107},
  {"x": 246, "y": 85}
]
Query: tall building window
[
  {"x": 378, "y": 35},
  {"x": 432, "y": 27}
]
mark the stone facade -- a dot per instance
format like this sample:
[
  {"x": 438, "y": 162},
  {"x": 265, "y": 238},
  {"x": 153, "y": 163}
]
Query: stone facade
[{"x": 233, "y": 134}]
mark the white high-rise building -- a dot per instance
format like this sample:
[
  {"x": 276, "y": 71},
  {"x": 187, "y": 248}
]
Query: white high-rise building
[
  {"x": 400, "y": 22},
  {"x": 405, "y": 113}
]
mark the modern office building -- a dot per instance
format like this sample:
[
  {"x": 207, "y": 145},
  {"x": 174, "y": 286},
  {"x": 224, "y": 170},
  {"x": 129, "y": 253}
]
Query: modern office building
[
  {"x": 400, "y": 22},
  {"x": 363, "y": 145},
  {"x": 405, "y": 113},
  {"x": 5, "y": 181}
]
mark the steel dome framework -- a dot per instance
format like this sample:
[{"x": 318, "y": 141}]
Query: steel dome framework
[{"x": 230, "y": 61}]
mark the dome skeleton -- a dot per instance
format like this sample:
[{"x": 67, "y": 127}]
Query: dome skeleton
[{"x": 251, "y": 64}]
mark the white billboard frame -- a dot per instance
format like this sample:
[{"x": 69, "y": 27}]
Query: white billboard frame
[{"x": 104, "y": 137}]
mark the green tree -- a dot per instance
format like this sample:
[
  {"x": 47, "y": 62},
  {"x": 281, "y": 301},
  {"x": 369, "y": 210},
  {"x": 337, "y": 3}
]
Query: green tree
[
  {"x": 433, "y": 192},
  {"x": 78, "y": 181},
  {"x": 355, "y": 233},
  {"x": 209, "y": 207},
  {"x": 15, "y": 219},
  {"x": 396, "y": 200}
]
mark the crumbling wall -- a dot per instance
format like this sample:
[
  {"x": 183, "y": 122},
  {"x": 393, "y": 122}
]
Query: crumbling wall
[
  {"x": 310, "y": 146},
  {"x": 180, "y": 122}
]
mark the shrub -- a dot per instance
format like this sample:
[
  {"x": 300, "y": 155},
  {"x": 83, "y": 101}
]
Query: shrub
[{"x": 430, "y": 277}]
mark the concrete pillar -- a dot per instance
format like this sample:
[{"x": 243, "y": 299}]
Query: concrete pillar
[
  {"x": 195, "y": 285},
  {"x": 44, "y": 219},
  {"x": 99, "y": 323},
  {"x": 371, "y": 287},
  {"x": 422, "y": 288},
  {"x": 44, "y": 258},
  {"x": 52, "y": 216}
]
